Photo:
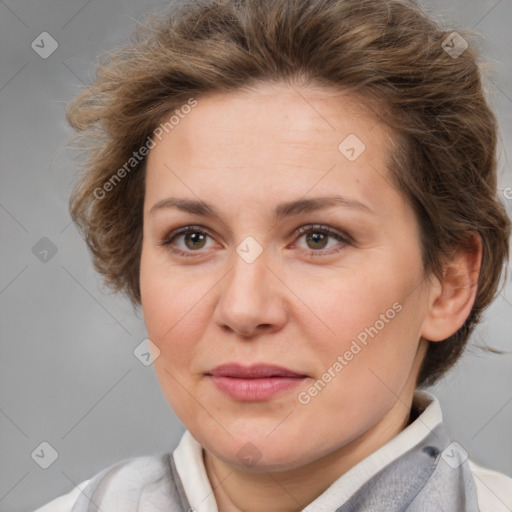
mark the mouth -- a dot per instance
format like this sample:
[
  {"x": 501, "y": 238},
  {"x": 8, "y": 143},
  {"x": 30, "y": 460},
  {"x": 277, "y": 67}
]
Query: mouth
[{"x": 254, "y": 383}]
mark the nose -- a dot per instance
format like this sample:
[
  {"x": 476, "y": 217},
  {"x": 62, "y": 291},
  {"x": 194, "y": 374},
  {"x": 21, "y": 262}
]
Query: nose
[{"x": 251, "y": 298}]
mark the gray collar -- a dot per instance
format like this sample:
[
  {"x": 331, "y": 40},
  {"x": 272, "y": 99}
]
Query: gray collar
[{"x": 432, "y": 476}]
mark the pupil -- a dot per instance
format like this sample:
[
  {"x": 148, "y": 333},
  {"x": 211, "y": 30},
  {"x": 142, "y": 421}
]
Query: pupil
[
  {"x": 195, "y": 237},
  {"x": 315, "y": 236}
]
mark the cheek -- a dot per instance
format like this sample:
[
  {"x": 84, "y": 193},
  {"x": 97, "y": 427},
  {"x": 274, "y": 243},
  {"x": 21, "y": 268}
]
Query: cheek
[
  {"x": 348, "y": 306},
  {"x": 168, "y": 309},
  {"x": 372, "y": 320},
  {"x": 161, "y": 299},
  {"x": 175, "y": 309}
]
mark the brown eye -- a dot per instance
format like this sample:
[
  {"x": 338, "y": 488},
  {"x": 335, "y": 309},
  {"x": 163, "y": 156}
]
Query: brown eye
[
  {"x": 194, "y": 239},
  {"x": 317, "y": 237}
]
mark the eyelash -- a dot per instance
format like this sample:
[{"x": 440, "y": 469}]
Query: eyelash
[{"x": 317, "y": 228}]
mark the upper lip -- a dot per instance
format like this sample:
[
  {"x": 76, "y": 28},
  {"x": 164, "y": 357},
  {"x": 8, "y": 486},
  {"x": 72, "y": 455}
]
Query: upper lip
[{"x": 254, "y": 371}]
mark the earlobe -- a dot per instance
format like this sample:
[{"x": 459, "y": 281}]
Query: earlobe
[{"x": 452, "y": 297}]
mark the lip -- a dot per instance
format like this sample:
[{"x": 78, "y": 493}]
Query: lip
[
  {"x": 254, "y": 383},
  {"x": 255, "y": 371}
]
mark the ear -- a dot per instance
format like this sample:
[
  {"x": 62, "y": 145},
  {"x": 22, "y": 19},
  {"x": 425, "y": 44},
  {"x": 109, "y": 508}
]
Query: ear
[{"x": 452, "y": 297}]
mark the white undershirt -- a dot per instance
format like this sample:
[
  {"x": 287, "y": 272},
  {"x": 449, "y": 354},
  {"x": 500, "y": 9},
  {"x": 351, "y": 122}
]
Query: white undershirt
[{"x": 494, "y": 489}]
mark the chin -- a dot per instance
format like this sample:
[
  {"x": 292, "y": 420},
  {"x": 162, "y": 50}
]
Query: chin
[{"x": 258, "y": 452}]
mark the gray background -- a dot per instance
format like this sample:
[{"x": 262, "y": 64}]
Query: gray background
[{"x": 68, "y": 375}]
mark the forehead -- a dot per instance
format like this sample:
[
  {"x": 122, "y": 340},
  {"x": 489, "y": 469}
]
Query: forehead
[
  {"x": 272, "y": 139},
  {"x": 277, "y": 113}
]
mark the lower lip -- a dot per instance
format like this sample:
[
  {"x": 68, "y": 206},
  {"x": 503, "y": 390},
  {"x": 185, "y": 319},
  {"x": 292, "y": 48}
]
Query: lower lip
[{"x": 255, "y": 389}]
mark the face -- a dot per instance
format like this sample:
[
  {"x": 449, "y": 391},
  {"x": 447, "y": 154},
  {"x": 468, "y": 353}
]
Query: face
[{"x": 334, "y": 292}]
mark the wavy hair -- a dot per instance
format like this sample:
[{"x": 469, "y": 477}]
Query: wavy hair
[{"x": 388, "y": 52}]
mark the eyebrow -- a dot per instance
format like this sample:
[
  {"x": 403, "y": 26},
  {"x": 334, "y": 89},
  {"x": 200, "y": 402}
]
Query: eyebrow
[{"x": 199, "y": 207}]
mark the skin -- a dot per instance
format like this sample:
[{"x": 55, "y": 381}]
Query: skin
[{"x": 244, "y": 153}]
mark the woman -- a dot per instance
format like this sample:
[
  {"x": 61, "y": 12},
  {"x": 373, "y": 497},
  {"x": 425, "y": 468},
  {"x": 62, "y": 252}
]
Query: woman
[{"x": 301, "y": 195}]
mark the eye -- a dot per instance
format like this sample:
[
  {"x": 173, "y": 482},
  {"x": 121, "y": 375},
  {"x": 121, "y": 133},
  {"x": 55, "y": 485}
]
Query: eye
[
  {"x": 316, "y": 236},
  {"x": 194, "y": 239}
]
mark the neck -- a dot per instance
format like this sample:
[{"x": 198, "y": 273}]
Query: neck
[{"x": 292, "y": 490}]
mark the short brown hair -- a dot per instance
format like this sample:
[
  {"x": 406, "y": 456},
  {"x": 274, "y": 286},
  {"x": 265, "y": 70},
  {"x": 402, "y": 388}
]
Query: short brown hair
[{"x": 387, "y": 51}]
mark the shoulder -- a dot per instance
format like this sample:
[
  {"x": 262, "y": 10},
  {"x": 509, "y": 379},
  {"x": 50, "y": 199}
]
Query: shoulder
[
  {"x": 65, "y": 502},
  {"x": 494, "y": 489},
  {"x": 134, "y": 472}
]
